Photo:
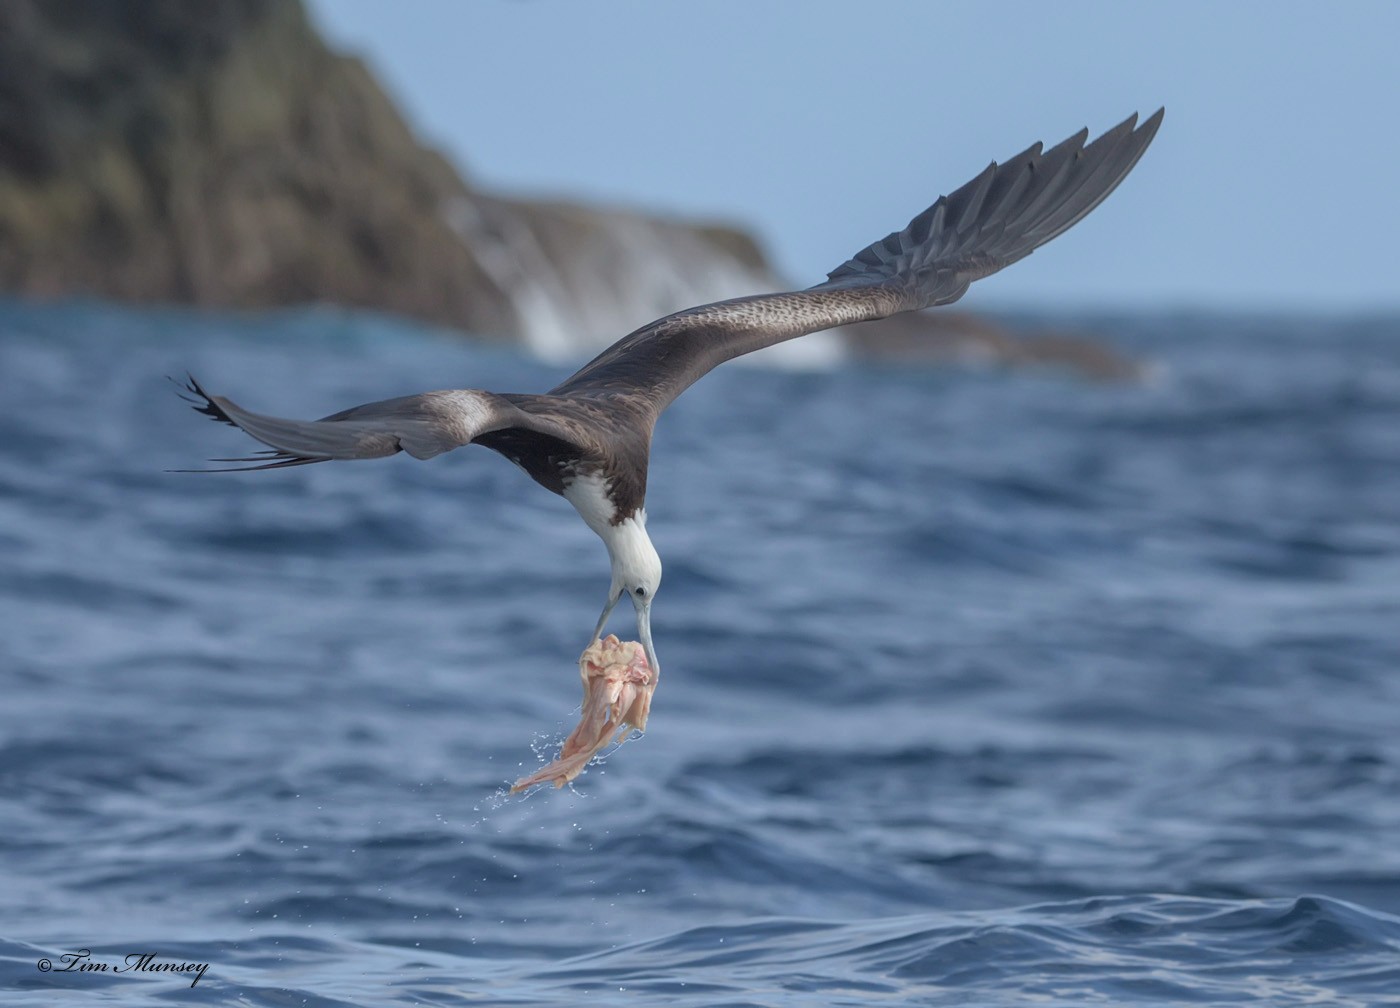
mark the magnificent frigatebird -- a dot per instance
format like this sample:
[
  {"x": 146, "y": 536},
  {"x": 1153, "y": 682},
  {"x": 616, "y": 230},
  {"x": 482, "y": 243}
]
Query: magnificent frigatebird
[{"x": 589, "y": 438}]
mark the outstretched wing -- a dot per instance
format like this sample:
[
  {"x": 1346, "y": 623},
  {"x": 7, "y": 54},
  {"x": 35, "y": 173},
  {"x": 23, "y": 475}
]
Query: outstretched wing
[
  {"x": 1002, "y": 215},
  {"x": 422, "y": 425}
]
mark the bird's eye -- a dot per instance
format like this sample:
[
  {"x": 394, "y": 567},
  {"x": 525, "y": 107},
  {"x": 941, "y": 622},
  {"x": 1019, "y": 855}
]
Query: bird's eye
[{"x": 641, "y": 593}]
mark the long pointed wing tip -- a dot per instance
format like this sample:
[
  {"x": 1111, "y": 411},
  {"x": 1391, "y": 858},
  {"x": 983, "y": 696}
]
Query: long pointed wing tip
[
  {"x": 1148, "y": 127},
  {"x": 201, "y": 401},
  {"x": 188, "y": 384},
  {"x": 1151, "y": 123},
  {"x": 286, "y": 463}
]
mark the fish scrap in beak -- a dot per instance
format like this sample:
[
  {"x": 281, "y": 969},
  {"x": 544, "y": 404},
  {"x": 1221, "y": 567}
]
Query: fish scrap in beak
[{"x": 617, "y": 689}]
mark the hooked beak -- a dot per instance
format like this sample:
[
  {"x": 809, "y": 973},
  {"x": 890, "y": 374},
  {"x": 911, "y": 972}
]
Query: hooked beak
[
  {"x": 643, "y": 607},
  {"x": 603, "y": 619}
]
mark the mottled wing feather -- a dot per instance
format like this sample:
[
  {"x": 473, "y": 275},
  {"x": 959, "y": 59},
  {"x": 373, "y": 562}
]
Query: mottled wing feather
[
  {"x": 423, "y": 425},
  {"x": 1002, "y": 215},
  {"x": 658, "y": 362}
]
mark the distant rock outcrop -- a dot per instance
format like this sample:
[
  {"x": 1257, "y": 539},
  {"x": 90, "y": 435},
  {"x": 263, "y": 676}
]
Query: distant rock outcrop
[{"x": 218, "y": 153}]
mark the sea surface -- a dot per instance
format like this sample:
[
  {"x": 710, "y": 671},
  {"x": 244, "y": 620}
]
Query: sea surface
[{"x": 980, "y": 687}]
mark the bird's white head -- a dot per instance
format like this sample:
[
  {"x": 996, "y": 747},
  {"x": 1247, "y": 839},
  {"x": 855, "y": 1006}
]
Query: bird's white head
[{"x": 636, "y": 567}]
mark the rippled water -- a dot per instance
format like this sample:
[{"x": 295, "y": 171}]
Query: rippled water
[{"x": 980, "y": 688}]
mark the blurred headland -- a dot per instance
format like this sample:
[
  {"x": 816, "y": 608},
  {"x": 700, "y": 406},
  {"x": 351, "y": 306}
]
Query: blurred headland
[{"x": 221, "y": 155}]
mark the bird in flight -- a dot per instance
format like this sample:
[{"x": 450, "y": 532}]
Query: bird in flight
[{"x": 589, "y": 438}]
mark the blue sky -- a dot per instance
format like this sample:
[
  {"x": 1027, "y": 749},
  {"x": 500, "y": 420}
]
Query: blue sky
[{"x": 822, "y": 125}]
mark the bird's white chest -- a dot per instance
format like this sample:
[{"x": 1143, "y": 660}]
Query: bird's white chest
[
  {"x": 633, "y": 557},
  {"x": 589, "y": 496}
]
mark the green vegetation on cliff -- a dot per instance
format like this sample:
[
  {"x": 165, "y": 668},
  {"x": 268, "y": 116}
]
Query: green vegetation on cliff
[{"x": 218, "y": 153}]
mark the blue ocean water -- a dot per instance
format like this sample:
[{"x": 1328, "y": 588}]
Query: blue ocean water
[{"x": 980, "y": 688}]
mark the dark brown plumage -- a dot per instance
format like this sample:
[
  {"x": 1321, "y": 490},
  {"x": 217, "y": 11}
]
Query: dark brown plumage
[{"x": 598, "y": 422}]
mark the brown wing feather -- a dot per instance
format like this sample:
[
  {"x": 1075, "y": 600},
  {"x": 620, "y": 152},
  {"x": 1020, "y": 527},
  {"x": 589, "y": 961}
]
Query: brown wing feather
[
  {"x": 1002, "y": 215},
  {"x": 423, "y": 425}
]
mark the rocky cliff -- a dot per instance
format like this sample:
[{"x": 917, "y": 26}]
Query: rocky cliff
[{"x": 218, "y": 153}]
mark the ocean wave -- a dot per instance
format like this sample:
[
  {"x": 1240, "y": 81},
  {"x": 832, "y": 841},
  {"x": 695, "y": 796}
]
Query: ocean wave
[{"x": 979, "y": 689}]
